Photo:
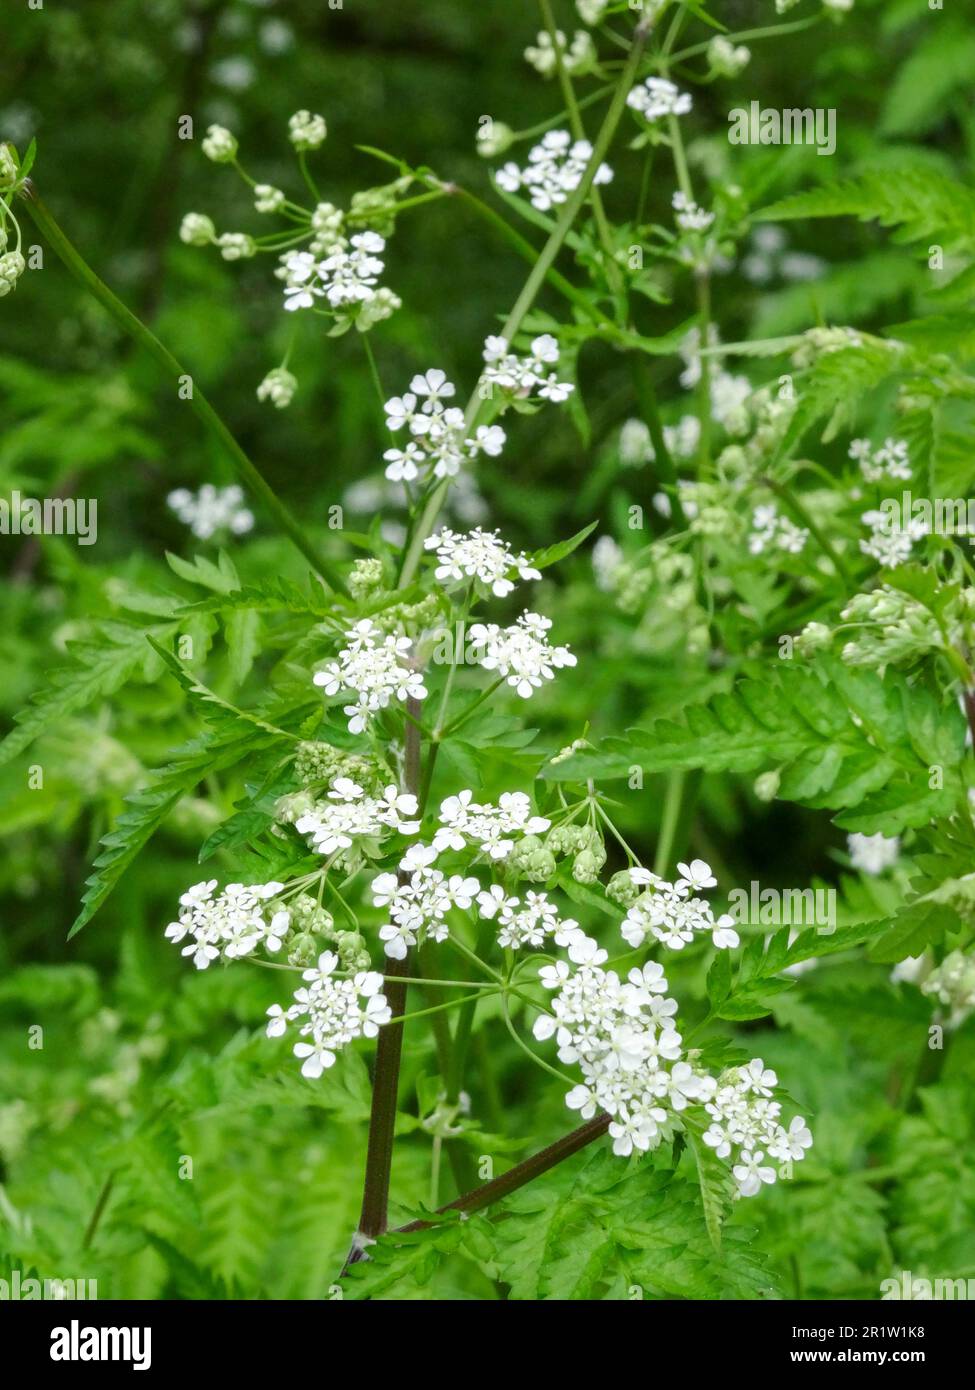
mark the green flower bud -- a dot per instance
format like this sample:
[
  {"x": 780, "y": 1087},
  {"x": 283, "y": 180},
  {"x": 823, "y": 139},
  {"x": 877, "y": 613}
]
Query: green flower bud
[
  {"x": 219, "y": 145},
  {"x": 304, "y": 949},
  {"x": 196, "y": 229},
  {"x": 531, "y": 860},
  {"x": 366, "y": 578},
  {"x": 621, "y": 889},
  {"x": 288, "y": 809},
  {"x": 352, "y": 951},
  {"x": 587, "y": 864},
  {"x": 766, "y": 786}
]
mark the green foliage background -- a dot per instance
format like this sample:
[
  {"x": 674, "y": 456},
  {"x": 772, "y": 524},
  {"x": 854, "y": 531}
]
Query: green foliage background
[{"x": 144, "y": 1062}]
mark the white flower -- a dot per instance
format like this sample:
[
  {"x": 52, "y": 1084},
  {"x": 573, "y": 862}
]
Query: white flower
[
  {"x": 491, "y": 828},
  {"x": 306, "y": 131},
  {"x": 233, "y": 922},
  {"x": 696, "y": 875},
  {"x": 480, "y": 555},
  {"x": 212, "y": 510},
  {"x": 577, "y": 57},
  {"x": 554, "y": 170},
  {"x": 690, "y": 217},
  {"x": 769, "y": 528},
  {"x": 522, "y": 377},
  {"x": 657, "y": 97},
  {"x": 891, "y": 460},
  {"x": 375, "y": 669},
  {"x": 521, "y": 654},
  {"x": 439, "y": 439},
  {"x": 418, "y": 900},
  {"x": 349, "y": 818},
  {"x": 872, "y": 854},
  {"x": 219, "y": 145},
  {"x": 331, "y": 1013},
  {"x": 750, "y": 1173}
]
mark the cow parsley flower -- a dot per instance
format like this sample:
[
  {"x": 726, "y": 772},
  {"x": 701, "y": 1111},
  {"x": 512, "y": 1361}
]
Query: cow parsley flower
[
  {"x": 690, "y": 217},
  {"x": 232, "y": 923},
  {"x": 525, "y": 376},
  {"x": 891, "y": 460},
  {"x": 746, "y": 1127},
  {"x": 578, "y": 57},
  {"x": 440, "y": 443},
  {"x": 491, "y": 828},
  {"x": 726, "y": 59},
  {"x": 771, "y": 529},
  {"x": 331, "y": 1013},
  {"x": 479, "y": 555},
  {"x": 872, "y": 854},
  {"x": 349, "y": 817},
  {"x": 889, "y": 543},
  {"x": 592, "y": 11},
  {"x": 521, "y": 654},
  {"x": 212, "y": 510},
  {"x": 374, "y": 667},
  {"x": 952, "y": 984},
  {"x": 554, "y": 170},
  {"x": 657, "y": 97},
  {"x": 669, "y": 914},
  {"x": 418, "y": 899}
]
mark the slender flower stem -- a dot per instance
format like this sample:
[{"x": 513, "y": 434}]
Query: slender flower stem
[
  {"x": 646, "y": 396},
  {"x": 248, "y": 471},
  {"x": 521, "y": 1173},
  {"x": 537, "y": 276}
]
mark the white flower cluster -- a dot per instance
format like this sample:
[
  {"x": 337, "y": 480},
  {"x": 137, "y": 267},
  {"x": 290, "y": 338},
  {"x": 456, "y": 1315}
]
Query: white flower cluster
[
  {"x": 232, "y": 923},
  {"x": 889, "y": 544},
  {"x": 306, "y": 131},
  {"x": 479, "y": 555},
  {"x": 872, "y": 854},
  {"x": 278, "y": 387},
  {"x": 554, "y": 170},
  {"x": 219, "y": 145},
  {"x": 577, "y": 57},
  {"x": 746, "y": 1126},
  {"x": 12, "y": 267},
  {"x": 418, "y": 898},
  {"x": 690, "y": 217},
  {"x": 439, "y": 441},
  {"x": 636, "y": 446},
  {"x": 592, "y": 11},
  {"x": 769, "y": 257},
  {"x": 623, "y": 1036},
  {"x": 463, "y": 821},
  {"x": 346, "y": 279},
  {"x": 347, "y": 817},
  {"x": 770, "y": 528},
  {"x": 952, "y": 983},
  {"x": 668, "y": 913},
  {"x": 374, "y": 667},
  {"x": 726, "y": 59},
  {"x": 657, "y": 97},
  {"x": 211, "y": 510},
  {"x": 332, "y": 1013},
  {"x": 891, "y": 460},
  {"x": 521, "y": 654},
  {"x": 526, "y": 376}
]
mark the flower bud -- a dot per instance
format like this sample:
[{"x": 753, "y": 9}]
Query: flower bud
[
  {"x": 237, "y": 246},
  {"x": 306, "y": 131},
  {"x": 219, "y": 145},
  {"x": 268, "y": 198},
  {"x": 278, "y": 387},
  {"x": 493, "y": 139},
  {"x": 767, "y": 785},
  {"x": 196, "y": 229}
]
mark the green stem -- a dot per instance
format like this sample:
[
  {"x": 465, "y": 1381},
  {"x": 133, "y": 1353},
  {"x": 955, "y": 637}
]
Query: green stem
[
  {"x": 800, "y": 511},
  {"x": 669, "y": 821},
  {"x": 134, "y": 326},
  {"x": 646, "y": 396},
  {"x": 537, "y": 276}
]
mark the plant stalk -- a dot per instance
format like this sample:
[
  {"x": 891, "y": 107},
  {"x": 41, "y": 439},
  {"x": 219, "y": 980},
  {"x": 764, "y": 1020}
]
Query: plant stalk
[{"x": 248, "y": 472}]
